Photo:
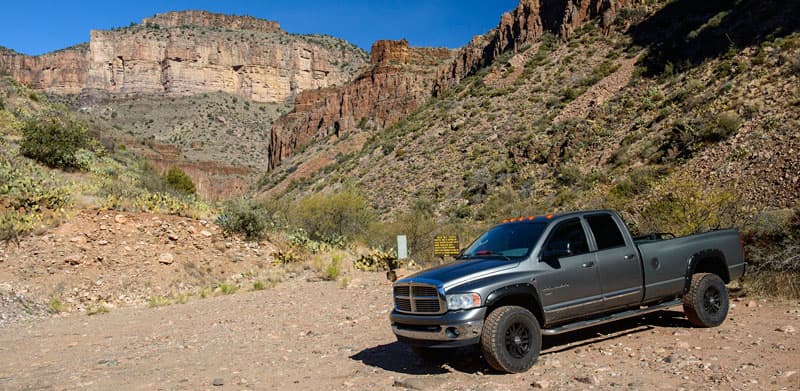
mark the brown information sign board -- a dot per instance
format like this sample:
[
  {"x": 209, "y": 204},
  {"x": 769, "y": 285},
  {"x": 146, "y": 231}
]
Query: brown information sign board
[{"x": 446, "y": 245}]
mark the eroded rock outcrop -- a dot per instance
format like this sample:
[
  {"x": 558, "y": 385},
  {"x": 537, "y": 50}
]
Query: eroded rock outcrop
[
  {"x": 398, "y": 82},
  {"x": 184, "y": 53}
]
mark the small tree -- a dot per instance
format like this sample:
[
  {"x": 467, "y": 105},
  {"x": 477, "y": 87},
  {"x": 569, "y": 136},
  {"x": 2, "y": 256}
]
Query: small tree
[
  {"x": 53, "y": 139},
  {"x": 345, "y": 214},
  {"x": 177, "y": 179}
]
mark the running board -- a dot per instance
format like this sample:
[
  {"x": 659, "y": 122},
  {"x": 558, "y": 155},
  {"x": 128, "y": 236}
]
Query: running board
[{"x": 610, "y": 318}]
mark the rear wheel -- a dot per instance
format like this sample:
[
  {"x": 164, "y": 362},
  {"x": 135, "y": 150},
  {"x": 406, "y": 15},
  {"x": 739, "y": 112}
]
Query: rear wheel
[
  {"x": 511, "y": 339},
  {"x": 706, "y": 303}
]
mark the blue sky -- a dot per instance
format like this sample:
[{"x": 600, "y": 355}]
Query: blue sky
[{"x": 36, "y": 27}]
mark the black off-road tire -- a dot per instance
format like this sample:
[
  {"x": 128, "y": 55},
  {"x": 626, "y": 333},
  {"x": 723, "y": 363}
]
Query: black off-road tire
[
  {"x": 511, "y": 339},
  {"x": 706, "y": 303}
]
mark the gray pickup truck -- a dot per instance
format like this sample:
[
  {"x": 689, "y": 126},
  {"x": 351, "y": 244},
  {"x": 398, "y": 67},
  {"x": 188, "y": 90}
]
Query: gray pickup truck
[{"x": 547, "y": 275}]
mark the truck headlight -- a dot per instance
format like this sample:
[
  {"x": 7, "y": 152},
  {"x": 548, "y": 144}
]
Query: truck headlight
[{"x": 463, "y": 301}]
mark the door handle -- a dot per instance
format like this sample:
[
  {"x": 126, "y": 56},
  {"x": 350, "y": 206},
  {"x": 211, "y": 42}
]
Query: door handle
[
  {"x": 629, "y": 257},
  {"x": 588, "y": 264}
]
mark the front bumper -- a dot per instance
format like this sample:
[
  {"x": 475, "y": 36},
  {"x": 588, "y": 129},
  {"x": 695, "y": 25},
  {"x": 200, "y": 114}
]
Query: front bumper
[{"x": 451, "y": 329}]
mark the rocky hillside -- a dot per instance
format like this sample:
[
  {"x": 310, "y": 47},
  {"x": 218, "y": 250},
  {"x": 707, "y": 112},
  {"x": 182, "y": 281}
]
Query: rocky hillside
[
  {"x": 623, "y": 113},
  {"x": 191, "y": 52},
  {"x": 385, "y": 93}
]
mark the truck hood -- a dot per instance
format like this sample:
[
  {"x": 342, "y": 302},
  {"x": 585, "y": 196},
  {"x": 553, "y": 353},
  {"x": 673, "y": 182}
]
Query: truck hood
[{"x": 461, "y": 271}]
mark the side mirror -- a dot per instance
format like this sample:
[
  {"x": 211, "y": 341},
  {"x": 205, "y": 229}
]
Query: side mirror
[{"x": 556, "y": 251}]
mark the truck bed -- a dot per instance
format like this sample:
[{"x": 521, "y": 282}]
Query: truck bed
[{"x": 664, "y": 262}]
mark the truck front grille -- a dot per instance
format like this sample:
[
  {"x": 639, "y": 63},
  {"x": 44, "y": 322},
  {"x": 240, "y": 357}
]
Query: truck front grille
[{"x": 414, "y": 298}]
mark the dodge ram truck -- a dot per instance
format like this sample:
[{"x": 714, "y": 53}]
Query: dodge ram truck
[{"x": 547, "y": 275}]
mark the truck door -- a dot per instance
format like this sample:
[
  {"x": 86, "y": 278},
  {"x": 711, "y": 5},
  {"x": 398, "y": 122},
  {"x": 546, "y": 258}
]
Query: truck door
[
  {"x": 618, "y": 263},
  {"x": 568, "y": 281}
]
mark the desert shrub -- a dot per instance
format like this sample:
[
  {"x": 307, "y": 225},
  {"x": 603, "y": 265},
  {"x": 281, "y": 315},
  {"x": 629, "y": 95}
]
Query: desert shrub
[
  {"x": 334, "y": 269},
  {"x": 345, "y": 214},
  {"x": 569, "y": 175},
  {"x": 286, "y": 257},
  {"x": 795, "y": 65},
  {"x": 376, "y": 260},
  {"x": 684, "y": 206},
  {"x": 772, "y": 248},
  {"x": 569, "y": 94},
  {"x": 638, "y": 181},
  {"x": 245, "y": 217},
  {"x": 727, "y": 123},
  {"x": 177, "y": 180},
  {"x": 416, "y": 223},
  {"x": 161, "y": 203},
  {"x": 54, "y": 139}
]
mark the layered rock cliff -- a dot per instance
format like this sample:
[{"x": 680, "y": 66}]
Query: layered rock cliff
[
  {"x": 63, "y": 72},
  {"x": 398, "y": 82},
  {"x": 184, "y": 53},
  {"x": 385, "y": 93}
]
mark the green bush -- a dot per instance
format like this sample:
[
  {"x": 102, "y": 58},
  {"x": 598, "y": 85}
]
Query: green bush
[
  {"x": 246, "y": 217},
  {"x": 727, "y": 124},
  {"x": 177, "y": 180},
  {"x": 685, "y": 206},
  {"x": 54, "y": 139},
  {"x": 345, "y": 214},
  {"x": 334, "y": 269}
]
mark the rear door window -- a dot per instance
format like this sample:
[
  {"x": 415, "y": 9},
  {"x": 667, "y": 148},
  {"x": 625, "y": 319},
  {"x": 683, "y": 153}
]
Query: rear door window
[{"x": 606, "y": 232}]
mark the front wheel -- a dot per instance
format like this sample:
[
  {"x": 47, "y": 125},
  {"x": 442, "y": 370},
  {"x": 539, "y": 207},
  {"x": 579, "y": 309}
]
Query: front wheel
[
  {"x": 706, "y": 303},
  {"x": 511, "y": 339}
]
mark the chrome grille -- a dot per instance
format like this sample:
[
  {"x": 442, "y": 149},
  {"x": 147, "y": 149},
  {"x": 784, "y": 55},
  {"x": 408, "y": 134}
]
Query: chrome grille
[
  {"x": 402, "y": 304},
  {"x": 415, "y": 298},
  {"x": 402, "y": 290}
]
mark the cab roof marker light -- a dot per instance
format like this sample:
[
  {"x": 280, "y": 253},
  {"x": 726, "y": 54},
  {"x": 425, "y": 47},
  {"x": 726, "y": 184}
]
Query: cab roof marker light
[
  {"x": 531, "y": 217},
  {"x": 549, "y": 216}
]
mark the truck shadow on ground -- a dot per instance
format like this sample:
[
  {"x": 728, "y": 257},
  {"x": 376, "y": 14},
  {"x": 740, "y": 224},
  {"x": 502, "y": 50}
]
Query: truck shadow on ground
[{"x": 398, "y": 357}]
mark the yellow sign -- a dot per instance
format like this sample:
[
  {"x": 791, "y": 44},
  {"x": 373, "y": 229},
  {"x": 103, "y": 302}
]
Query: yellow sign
[{"x": 446, "y": 245}]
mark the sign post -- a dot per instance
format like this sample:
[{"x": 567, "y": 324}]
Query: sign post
[
  {"x": 402, "y": 247},
  {"x": 446, "y": 246}
]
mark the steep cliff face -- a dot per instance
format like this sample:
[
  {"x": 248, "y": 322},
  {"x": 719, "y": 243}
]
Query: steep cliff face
[
  {"x": 398, "y": 82},
  {"x": 384, "y": 94},
  {"x": 185, "y": 53},
  {"x": 211, "y": 20},
  {"x": 62, "y": 72}
]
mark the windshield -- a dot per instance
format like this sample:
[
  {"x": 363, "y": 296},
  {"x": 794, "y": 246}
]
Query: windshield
[{"x": 506, "y": 241}]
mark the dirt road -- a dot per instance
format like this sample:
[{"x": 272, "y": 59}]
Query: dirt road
[{"x": 319, "y": 335}]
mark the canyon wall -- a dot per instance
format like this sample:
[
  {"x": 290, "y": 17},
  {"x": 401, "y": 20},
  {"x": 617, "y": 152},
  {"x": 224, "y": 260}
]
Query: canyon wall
[{"x": 185, "y": 53}]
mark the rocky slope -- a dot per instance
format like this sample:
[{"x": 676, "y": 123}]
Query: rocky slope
[
  {"x": 372, "y": 96},
  {"x": 185, "y": 53},
  {"x": 572, "y": 122}
]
